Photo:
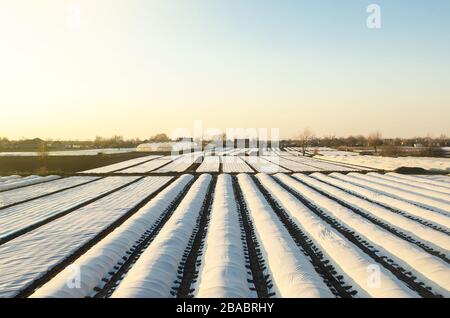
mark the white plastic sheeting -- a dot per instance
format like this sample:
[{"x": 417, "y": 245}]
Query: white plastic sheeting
[
  {"x": 289, "y": 164},
  {"x": 390, "y": 163},
  {"x": 26, "y": 181},
  {"x": 408, "y": 186},
  {"x": 155, "y": 272},
  {"x": 234, "y": 164},
  {"x": 29, "y": 256},
  {"x": 148, "y": 166},
  {"x": 417, "y": 182},
  {"x": 101, "y": 259},
  {"x": 223, "y": 273},
  {"x": 443, "y": 180},
  {"x": 322, "y": 165},
  {"x": 348, "y": 260},
  {"x": 174, "y": 146},
  {"x": 342, "y": 182},
  {"x": 121, "y": 165},
  {"x": 180, "y": 164},
  {"x": 209, "y": 164},
  {"x": 9, "y": 178},
  {"x": 411, "y": 196},
  {"x": 224, "y": 151},
  {"x": 417, "y": 231},
  {"x": 293, "y": 274},
  {"x": 439, "y": 180},
  {"x": 18, "y": 217},
  {"x": 261, "y": 165},
  {"x": 32, "y": 191},
  {"x": 428, "y": 268}
]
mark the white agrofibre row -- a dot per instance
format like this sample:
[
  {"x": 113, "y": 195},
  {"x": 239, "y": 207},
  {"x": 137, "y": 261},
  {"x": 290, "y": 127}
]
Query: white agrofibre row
[
  {"x": 155, "y": 272},
  {"x": 222, "y": 272},
  {"x": 33, "y": 191},
  {"x": 343, "y": 182},
  {"x": 181, "y": 164},
  {"x": 351, "y": 262},
  {"x": 389, "y": 163},
  {"x": 416, "y": 182},
  {"x": 235, "y": 152},
  {"x": 244, "y": 235},
  {"x": 31, "y": 255},
  {"x": 439, "y": 241},
  {"x": 224, "y": 151},
  {"x": 234, "y": 160},
  {"x": 434, "y": 195},
  {"x": 9, "y": 178},
  {"x": 234, "y": 164},
  {"x": 321, "y": 165},
  {"x": 291, "y": 165},
  {"x": 252, "y": 152},
  {"x": 121, "y": 165},
  {"x": 413, "y": 197},
  {"x": 148, "y": 166},
  {"x": 262, "y": 165},
  {"x": 101, "y": 259},
  {"x": 13, "y": 183},
  {"x": 293, "y": 274},
  {"x": 21, "y": 216},
  {"x": 442, "y": 180},
  {"x": 209, "y": 164},
  {"x": 429, "y": 269}
]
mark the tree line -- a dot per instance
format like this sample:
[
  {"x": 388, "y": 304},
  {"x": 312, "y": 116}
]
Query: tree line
[
  {"x": 37, "y": 144},
  {"x": 373, "y": 142},
  {"x": 307, "y": 138}
]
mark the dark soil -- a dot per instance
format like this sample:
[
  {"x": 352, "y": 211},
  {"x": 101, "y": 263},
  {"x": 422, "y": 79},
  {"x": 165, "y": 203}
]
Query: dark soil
[
  {"x": 411, "y": 170},
  {"x": 63, "y": 164}
]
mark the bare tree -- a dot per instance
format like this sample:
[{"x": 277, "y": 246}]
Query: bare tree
[
  {"x": 305, "y": 139},
  {"x": 375, "y": 140},
  {"x": 159, "y": 138},
  {"x": 443, "y": 140},
  {"x": 43, "y": 150}
]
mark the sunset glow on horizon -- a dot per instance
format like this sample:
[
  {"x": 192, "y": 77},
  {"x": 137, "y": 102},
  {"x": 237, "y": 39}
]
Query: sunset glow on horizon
[{"x": 136, "y": 68}]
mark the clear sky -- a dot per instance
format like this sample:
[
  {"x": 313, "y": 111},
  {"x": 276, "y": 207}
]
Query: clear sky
[{"x": 139, "y": 67}]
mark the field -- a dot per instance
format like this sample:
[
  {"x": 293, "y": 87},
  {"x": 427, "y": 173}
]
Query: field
[
  {"x": 61, "y": 164},
  {"x": 430, "y": 164},
  {"x": 84, "y": 152},
  {"x": 385, "y": 163},
  {"x": 231, "y": 225}
]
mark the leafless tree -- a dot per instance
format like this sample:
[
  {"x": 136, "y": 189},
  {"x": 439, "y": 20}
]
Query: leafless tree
[
  {"x": 43, "y": 150},
  {"x": 375, "y": 140},
  {"x": 159, "y": 138},
  {"x": 305, "y": 138},
  {"x": 443, "y": 140}
]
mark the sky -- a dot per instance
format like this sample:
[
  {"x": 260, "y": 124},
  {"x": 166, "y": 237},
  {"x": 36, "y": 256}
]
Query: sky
[{"x": 77, "y": 69}]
